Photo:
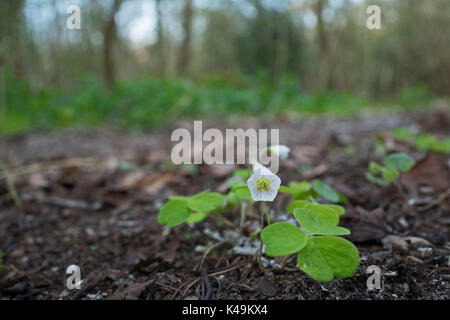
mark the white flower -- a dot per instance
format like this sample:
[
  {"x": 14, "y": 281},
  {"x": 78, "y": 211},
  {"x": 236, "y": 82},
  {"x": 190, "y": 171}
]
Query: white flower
[
  {"x": 259, "y": 167},
  {"x": 281, "y": 150},
  {"x": 263, "y": 184}
]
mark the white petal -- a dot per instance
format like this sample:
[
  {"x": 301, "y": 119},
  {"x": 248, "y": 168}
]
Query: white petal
[
  {"x": 275, "y": 181},
  {"x": 281, "y": 150},
  {"x": 251, "y": 183},
  {"x": 262, "y": 170}
]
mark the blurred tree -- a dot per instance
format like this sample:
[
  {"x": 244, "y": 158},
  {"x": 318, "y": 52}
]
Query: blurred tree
[
  {"x": 12, "y": 34},
  {"x": 160, "y": 45},
  {"x": 326, "y": 43},
  {"x": 185, "y": 49},
  {"x": 109, "y": 37}
]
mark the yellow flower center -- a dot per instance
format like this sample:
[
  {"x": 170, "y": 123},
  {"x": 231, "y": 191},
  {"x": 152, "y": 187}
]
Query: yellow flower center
[{"x": 262, "y": 184}]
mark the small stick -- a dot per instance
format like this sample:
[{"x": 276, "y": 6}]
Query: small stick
[
  {"x": 285, "y": 261},
  {"x": 189, "y": 286},
  {"x": 227, "y": 269},
  {"x": 209, "y": 250},
  {"x": 435, "y": 202},
  {"x": 11, "y": 189},
  {"x": 208, "y": 285},
  {"x": 42, "y": 166}
]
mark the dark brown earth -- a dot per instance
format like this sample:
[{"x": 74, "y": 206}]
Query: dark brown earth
[{"x": 91, "y": 198}]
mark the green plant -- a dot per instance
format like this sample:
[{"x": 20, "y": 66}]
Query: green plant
[
  {"x": 321, "y": 252},
  {"x": 151, "y": 102},
  {"x": 423, "y": 142},
  {"x": 189, "y": 209},
  {"x": 304, "y": 190},
  {"x": 387, "y": 173}
]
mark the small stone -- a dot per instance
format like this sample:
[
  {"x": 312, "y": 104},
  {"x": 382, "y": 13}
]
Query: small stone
[
  {"x": 396, "y": 241},
  {"x": 425, "y": 251}
]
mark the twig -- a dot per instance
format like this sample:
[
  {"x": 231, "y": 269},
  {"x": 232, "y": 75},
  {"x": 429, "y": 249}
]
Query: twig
[
  {"x": 11, "y": 189},
  {"x": 209, "y": 250},
  {"x": 219, "y": 218},
  {"x": 285, "y": 261},
  {"x": 227, "y": 269},
  {"x": 73, "y": 204},
  {"x": 45, "y": 166},
  {"x": 435, "y": 202},
  {"x": 208, "y": 285},
  {"x": 189, "y": 286},
  {"x": 167, "y": 287}
]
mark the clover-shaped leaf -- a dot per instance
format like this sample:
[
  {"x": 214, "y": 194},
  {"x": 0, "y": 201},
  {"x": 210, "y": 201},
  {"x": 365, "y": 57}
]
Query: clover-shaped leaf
[
  {"x": 206, "y": 202},
  {"x": 310, "y": 224},
  {"x": 283, "y": 238},
  {"x": 325, "y": 191},
  {"x": 296, "y": 204},
  {"x": 338, "y": 209},
  {"x": 196, "y": 217},
  {"x": 375, "y": 179},
  {"x": 188, "y": 198},
  {"x": 327, "y": 257},
  {"x": 173, "y": 213},
  {"x": 389, "y": 175},
  {"x": 398, "y": 161},
  {"x": 300, "y": 190},
  {"x": 322, "y": 213},
  {"x": 284, "y": 189},
  {"x": 243, "y": 192},
  {"x": 375, "y": 168}
]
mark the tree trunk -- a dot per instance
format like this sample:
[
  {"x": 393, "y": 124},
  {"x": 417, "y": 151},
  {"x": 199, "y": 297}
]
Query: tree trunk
[
  {"x": 322, "y": 70},
  {"x": 109, "y": 36},
  {"x": 160, "y": 46},
  {"x": 185, "y": 56}
]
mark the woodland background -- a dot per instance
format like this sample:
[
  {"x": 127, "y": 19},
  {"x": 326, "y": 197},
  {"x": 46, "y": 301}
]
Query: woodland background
[{"x": 141, "y": 64}]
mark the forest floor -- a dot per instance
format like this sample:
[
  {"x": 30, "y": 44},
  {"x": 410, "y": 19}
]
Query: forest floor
[{"x": 91, "y": 198}]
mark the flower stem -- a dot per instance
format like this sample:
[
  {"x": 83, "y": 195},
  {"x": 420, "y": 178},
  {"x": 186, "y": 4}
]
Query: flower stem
[
  {"x": 264, "y": 212},
  {"x": 243, "y": 213}
]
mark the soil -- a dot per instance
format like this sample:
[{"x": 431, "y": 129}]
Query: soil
[{"x": 91, "y": 198}]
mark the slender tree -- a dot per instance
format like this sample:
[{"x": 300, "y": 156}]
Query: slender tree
[
  {"x": 109, "y": 37},
  {"x": 185, "y": 50}
]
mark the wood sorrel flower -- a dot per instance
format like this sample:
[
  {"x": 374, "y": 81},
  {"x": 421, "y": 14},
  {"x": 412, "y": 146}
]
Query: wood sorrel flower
[
  {"x": 281, "y": 150},
  {"x": 263, "y": 184}
]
